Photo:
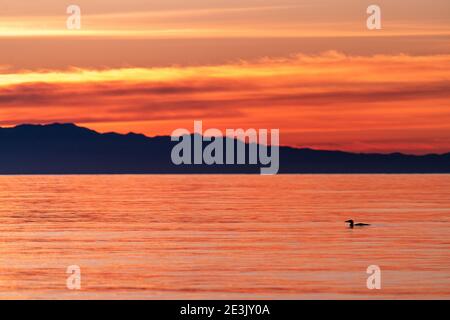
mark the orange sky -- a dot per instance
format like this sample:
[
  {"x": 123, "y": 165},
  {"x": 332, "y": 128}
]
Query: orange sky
[{"x": 309, "y": 68}]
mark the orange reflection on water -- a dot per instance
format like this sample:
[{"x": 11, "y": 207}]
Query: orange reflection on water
[{"x": 224, "y": 237}]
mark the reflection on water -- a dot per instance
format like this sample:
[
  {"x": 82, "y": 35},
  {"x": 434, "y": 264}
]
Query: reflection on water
[{"x": 225, "y": 237}]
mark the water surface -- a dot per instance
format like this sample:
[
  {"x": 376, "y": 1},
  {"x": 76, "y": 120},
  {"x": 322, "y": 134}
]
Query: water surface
[{"x": 224, "y": 237}]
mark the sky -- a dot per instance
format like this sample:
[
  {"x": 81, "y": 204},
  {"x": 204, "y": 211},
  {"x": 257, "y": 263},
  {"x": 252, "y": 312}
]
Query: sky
[{"x": 309, "y": 68}]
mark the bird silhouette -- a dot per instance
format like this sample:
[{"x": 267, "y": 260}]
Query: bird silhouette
[{"x": 353, "y": 224}]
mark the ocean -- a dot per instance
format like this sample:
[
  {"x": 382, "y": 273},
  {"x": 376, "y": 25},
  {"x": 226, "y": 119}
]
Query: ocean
[{"x": 224, "y": 236}]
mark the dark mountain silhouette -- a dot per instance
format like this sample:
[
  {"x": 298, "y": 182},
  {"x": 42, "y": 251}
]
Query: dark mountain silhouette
[{"x": 69, "y": 149}]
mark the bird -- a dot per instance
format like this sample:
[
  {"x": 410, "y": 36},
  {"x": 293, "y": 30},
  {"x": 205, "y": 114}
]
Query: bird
[{"x": 353, "y": 224}]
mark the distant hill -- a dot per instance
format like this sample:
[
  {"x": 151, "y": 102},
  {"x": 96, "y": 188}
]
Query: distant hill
[{"x": 69, "y": 149}]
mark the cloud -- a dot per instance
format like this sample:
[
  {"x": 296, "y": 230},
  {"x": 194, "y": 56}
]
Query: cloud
[
  {"x": 245, "y": 18},
  {"x": 299, "y": 94}
]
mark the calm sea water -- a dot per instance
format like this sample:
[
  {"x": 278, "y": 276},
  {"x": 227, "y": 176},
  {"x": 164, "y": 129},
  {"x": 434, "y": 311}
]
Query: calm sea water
[{"x": 224, "y": 237}]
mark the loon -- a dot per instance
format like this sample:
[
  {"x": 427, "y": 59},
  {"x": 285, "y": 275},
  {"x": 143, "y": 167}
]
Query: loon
[{"x": 353, "y": 224}]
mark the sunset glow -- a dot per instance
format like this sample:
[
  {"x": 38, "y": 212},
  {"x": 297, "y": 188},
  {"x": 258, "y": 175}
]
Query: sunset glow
[
  {"x": 312, "y": 70},
  {"x": 225, "y": 157}
]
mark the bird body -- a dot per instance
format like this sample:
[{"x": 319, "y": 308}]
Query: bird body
[{"x": 353, "y": 224}]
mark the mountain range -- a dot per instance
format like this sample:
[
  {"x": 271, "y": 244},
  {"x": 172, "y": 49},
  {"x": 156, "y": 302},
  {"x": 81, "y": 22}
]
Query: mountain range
[{"x": 70, "y": 149}]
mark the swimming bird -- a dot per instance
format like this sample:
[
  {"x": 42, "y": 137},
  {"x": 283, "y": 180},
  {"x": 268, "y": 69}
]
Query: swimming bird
[{"x": 353, "y": 224}]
